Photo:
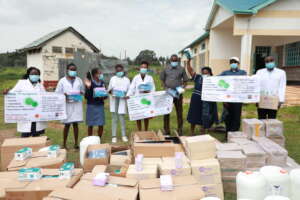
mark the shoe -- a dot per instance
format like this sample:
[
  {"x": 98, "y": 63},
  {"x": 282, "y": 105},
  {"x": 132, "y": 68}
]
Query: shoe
[
  {"x": 114, "y": 140},
  {"x": 125, "y": 139}
]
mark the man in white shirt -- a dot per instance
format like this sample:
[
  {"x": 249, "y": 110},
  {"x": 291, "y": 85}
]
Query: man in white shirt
[{"x": 272, "y": 83}]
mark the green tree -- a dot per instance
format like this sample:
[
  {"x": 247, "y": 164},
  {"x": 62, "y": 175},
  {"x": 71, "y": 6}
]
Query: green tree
[{"x": 147, "y": 55}]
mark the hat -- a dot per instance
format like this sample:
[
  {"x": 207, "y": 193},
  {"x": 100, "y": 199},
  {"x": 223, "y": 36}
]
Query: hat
[{"x": 235, "y": 58}]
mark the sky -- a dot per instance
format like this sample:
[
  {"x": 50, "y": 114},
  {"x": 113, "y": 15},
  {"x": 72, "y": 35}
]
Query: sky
[{"x": 114, "y": 26}]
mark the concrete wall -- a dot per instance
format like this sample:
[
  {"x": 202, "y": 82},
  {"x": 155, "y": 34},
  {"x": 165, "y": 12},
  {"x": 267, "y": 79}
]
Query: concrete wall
[{"x": 221, "y": 16}]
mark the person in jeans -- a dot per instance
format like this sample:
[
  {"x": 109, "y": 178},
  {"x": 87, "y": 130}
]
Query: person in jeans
[
  {"x": 118, "y": 88},
  {"x": 233, "y": 110},
  {"x": 174, "y": 76}
]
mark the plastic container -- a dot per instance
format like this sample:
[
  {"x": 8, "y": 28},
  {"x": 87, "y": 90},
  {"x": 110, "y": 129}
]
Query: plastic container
[
  {"x": 85, "y": 142},
  {"x": 295, "y": 184},
  {"x": 251, "y": 185},
  {"x": 211, "y": 198},
  {"x": 274, "y": 197},
  {"x": 278, "y": 180}
]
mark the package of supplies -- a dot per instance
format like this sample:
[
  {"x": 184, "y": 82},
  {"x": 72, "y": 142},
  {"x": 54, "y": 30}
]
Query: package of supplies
[
  {"x": 100, "y": 179},
  {"x": 139, "y": 162},
  {"x": 276, "y": 155},
  {"x": 242, "y": 141},
  {"x": 256, "y": 156},
  {"x": 30, "y": 174},
  {"x": 237, "y": 134},
  {"x": 148, "y": 172},
  {"x": 23, "y": 153},
  {"x": 96, "y": 154},
  {"x": 119, "y": 93},
  {"x": 53, "y": 151},
  {"x": 39, "y": 160},
  {"x": 184, "y": 187},
  {"x": 66, "y": 171},
  {"x": 112, "y": 170},
  {"x": 274, "y": 127},
  {"x": 201, "y": 147},
  {"x": 280, "y": 140},
  {"x": 166, "y": 183},
  {"x": 100, "y": 92},
  {"x": 206, "y": 171},
  {"x": 170, "y": 166},
  {"x": 232, "y": 159},
  {"x": 213, "y": 190},
  {"x": 228, "y": 147},
  {"x": 253, "y": 128}
]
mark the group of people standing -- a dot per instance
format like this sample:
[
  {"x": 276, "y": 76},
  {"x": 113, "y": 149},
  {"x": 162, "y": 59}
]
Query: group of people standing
[{"x": 120, "y": 89}]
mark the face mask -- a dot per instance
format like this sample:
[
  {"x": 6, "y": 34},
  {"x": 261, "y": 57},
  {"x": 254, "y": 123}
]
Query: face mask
[
  {"x": 174, "y": 64},
  {"x": 270, "y": 65},
  {"x": 34, "y": 78},
  {"x": 72, "y": 73},
  {"x": 101, "y": 77},
  {"x": 143, "y": 70},
  {"x": 120, "y": 74},
  {"x": 234, "y": 65}
]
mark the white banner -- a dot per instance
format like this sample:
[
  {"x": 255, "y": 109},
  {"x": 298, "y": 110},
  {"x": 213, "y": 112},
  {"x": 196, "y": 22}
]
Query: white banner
[
  {"x": 244, "y": 89},
  {"x": 149, "y": 105},
  {"x": 33, "y": 107}
]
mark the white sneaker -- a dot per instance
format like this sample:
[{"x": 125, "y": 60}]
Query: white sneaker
[
  {"x": 114, "y": 140},
  {"x": 125, "y": 139}
]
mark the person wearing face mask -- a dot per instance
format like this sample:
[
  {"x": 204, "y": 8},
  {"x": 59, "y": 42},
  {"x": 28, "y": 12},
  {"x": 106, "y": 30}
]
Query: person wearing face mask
[
  {"x": 72, "y": 86},
  {"x": 142, "y": 83},
  {"x": 202, "y": 113},
  {"x": 32, "y": 84},
  {"x": 233, "y": 110},
  {"x": 273, "y": 83},
  {"x": 95, "y": 95},
  {"x": 174, "y": 76},
  {"x": 118, "y": 87}
]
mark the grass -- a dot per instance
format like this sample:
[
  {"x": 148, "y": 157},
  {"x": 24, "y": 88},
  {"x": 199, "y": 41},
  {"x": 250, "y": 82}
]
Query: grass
[{"x": 290, "y": 116}]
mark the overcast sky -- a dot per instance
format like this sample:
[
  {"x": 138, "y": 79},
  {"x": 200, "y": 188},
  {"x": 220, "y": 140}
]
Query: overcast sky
[{"x": 165, "y": 26}]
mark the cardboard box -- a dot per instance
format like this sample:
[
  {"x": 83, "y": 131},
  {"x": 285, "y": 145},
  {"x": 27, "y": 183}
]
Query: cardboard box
[
  {"x": 35, "y": 190},
  {"x": 6, "y": 134},
  {"x": 213, "y": 190},
  {"x": 112, "y": 170},
  {"x": 121, "y": 158},
  {"x": 201, "y": 147},
  {"x": 206, "y": 171},
  {"x": 232, "y": 159},
  {"x": 168, "y": 167},
  {"x": 144, "y": 136},
  {"x": 149, "y": 172},
  {"x": 253, "y": 128},
  {"x": 39, "y": 160},
  {"x": 185, "y": 188},
  {"x": 117, "y": 187},
  {"x": 78, "y": 194},
  {"x": 155, "y": 150},
  {"x": 90, "y": 163},
  {"x": 152, "y": 161},
  {"x": 12, "y": 145}
]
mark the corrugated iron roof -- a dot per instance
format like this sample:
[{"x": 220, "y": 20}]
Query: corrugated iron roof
[{"x": 43, "y": 40}]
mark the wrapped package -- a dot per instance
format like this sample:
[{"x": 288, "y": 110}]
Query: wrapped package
[
  {"x": 237, "y": 134},
  {"x": 253, "y": 128},
  {"x": 242, "y": 141},
  {"x": 170, "y": 167},
  {"x": 276, "y": 155},
  {"x": 148, "y": 172},
  {"x": 274, "y": 127},
  {"x": 228, "y": 147},
  {"x": 256, "y": 156},
  {"x": 201, "y": 147},
  {"x": 232, "y": 159},
  {"x": 280, "y": 140}
]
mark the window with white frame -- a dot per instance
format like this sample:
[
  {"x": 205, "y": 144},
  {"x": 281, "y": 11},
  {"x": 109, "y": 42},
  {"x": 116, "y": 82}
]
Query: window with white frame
[{"x": 292, "y": 54}]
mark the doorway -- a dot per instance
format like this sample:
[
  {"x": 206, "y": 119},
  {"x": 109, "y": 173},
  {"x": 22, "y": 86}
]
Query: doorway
[{"x": 261, "y": 52}]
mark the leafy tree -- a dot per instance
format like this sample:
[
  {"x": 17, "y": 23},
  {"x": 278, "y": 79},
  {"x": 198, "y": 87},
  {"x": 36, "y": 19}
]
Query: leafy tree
[{"x": 147, "y": 55}]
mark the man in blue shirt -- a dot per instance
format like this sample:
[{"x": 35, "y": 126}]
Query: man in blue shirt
[{"x": 234, "y": 110}]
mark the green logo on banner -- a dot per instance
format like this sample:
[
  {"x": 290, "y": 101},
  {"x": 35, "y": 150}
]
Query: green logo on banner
[
  {"x": 30, "y": 102},
  {"x": 145, "y": 101},
  {"x": 223, "y": 84}
]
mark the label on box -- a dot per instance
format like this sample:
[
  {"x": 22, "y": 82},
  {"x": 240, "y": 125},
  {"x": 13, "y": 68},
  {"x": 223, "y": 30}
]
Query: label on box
[
  {"x": 29, "y": 174},
  {"x": 53, "y": 151},
  {"x": 23, "y": 154},
  {"x": 66, "y": 170},
  {"x": 99, "y": 153}
]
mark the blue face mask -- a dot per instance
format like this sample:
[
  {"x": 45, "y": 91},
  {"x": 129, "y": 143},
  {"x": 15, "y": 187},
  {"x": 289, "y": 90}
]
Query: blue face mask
[
  {"x": 270, "y": 65},
  {"x": 234, "y": 65},
  {"x": 72, "y": 73},
  {"x": 101, "y": 77},
  {"x": 174, "y": 64},
  {"x": 143, "y": 71},
  {"x": 34, "y": 78},
  {"x": 120, "y": 74}
]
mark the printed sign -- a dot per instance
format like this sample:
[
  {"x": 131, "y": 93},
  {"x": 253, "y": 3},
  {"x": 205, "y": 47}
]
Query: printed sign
[
  {"x": 243, "y": 89},
  {"x": 149, "y": 105},
  {"x": 33, "y": 107}
]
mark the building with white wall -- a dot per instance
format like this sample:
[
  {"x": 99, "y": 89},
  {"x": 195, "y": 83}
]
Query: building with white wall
[
  {"x": 252, "y": 30},
  {"x": 45, "y": 52}
]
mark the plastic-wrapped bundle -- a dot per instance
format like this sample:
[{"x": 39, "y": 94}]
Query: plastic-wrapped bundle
[
  {"x": 228, "y": 147},
  {"x": 256, "y": 156},
  {"x": 234, "y": 135},
  {"x": 276, "y": 155},
  {"x": 253, "y": 128},
  {"x": 274, "y": 127},
  {"x": 242, "y": 141}
]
